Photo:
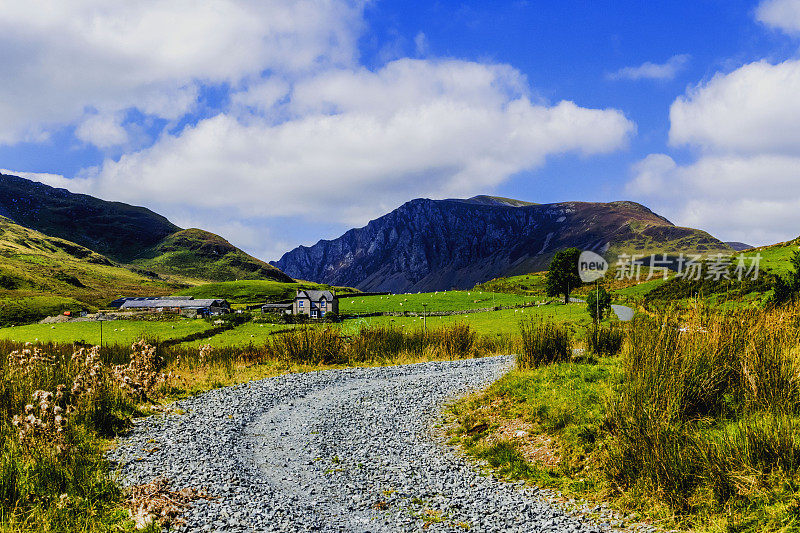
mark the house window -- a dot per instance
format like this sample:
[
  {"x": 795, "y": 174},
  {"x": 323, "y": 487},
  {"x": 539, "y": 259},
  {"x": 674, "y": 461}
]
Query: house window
[
  {"x": 300, "y": 304},
  {"x": 322, "y": 303},
  {"x": 314, "y": 313}
]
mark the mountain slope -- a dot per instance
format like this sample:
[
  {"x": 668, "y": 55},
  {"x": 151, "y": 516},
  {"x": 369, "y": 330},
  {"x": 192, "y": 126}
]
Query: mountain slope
[
  {"x": 442, "y": 244},
  {"x": 128, "y": 234},
  {"x": 42, "y": 275},
  {"x": 119, "y": 231},
  {"x": 203, "y": 255}
]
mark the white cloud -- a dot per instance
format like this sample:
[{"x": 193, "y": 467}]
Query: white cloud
[
  {"x": 744, "y": 183},
  {"x": 754, "y": 199},
  {"x": 102, "y": 130},
  {"x": 781, "y": 14},
  {"x": 653, "y": 71},
  {"x": 362, "y": 142},
  {"x": 421, "y": 44},
  {"x": 54, "y": 180},
  {"x": 112, "y": 55},
  {"x": 752, "y": 109}
]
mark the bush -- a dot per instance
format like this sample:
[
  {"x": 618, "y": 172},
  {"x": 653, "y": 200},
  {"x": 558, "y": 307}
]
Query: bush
[
  {"x": 606, "y": 341},
  {"x": 543, "y": 342}
]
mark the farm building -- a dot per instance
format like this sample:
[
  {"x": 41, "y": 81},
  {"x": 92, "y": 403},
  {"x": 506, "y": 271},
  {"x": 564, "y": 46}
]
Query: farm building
[
  {"x": 116, "y": 304},
  {"x": 186, "y": 306},
  {"x": 315, "y": 304},
  {"x": 283, "y": 308}
]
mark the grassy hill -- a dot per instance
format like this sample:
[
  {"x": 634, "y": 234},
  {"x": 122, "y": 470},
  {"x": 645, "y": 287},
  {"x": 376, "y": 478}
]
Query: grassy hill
[
  {"x": 128, "y": 234},
  {"x": 203, "y": 255},
  {"x": 256, "y": 291},
  {"x": 114, "y": 229},
  {"x": 42, "y": 275}
]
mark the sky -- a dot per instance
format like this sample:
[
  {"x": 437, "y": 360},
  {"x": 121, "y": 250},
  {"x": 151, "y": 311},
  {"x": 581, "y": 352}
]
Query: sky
[{"x": 276, "y": 123}]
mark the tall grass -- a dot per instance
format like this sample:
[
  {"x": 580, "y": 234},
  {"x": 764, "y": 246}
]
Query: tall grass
[
  {"x": 605, "y": 340},
  {"x": 53, "y": 477},
  {"x": 708, "y": 406},
  {"x": 543, "y": 342},
  {"x": 313, "y": 345}
]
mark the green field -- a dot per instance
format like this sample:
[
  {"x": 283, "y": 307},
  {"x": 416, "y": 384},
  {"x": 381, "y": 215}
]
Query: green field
[
  {"x": 635, "y": 292},
  {"x": 114, "y": 331},
  {"x": 434, "y": 301},
  {"x": 774, "y": 258},
  {"x": 503, "y": 323},
  {"x": 248, "y": 333}
]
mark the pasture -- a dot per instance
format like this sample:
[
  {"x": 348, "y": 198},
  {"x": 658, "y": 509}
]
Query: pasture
[
  {"x": 114, "y": 331},
  {"x": 429, "y": 302}
]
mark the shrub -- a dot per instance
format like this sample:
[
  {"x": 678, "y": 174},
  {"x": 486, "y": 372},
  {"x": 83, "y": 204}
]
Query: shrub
[
  {"x": 598, "y": 303},
  {"x": 605, "y": 341},
  {"x": 308, "y": 345},
  {"x": 543, "y": 342}
]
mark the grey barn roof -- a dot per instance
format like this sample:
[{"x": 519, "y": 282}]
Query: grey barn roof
[
  {"x": 315, "y": 296},
  {"x": 172, "y": 302}
]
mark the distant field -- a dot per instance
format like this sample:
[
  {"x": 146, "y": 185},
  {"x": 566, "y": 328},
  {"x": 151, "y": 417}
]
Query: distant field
[
  {"x": 114, "y": 331},
  {"x": 438, "y": 301},
  {"x": 638, "y": 290},
  {"x": 492, "y": 323},
  {"x": 525, "y": 285}
]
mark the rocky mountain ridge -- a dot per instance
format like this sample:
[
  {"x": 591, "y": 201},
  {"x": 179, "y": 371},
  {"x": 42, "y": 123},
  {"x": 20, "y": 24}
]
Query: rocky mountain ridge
[{"x": 441, "y": 244}]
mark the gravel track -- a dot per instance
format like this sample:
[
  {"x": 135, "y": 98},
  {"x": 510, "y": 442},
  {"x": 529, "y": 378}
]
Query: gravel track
[{"x": 339, "y": 450}]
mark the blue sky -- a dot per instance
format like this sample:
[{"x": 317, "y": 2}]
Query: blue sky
[{"x": 277, "y": 123}]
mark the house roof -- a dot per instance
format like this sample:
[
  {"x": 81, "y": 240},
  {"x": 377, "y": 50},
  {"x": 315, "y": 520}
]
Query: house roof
[
  {"x": 188, "y": 303},
  {"x": 277, "y": 306},
  {"x": 121, "y": 300},
  {"x": 315, "y": 296}
]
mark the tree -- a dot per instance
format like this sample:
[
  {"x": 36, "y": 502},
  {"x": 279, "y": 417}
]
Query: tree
[
  {"x": 785, "y": 289},
  {"x": 563, "y": 278},
  {"x": 781, "y": 291},
  {"x": 794, "y": 272},
  {"x": 598, "y": 301}
]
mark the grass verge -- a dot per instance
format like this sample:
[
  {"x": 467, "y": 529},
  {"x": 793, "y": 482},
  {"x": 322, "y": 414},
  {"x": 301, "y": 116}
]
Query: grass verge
[{"x": 696, "y": 425}]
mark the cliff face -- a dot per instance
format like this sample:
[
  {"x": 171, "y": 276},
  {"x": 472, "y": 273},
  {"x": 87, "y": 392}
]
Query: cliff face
[{"x": 441, "y": 244}]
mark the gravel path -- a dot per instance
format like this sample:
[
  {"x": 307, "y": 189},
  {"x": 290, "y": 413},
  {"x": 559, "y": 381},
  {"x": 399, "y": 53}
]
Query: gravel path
[{"x": 340, "y": 450}]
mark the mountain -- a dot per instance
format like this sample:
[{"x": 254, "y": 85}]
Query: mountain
[
  {"x": 119, "y": 231},
  {"x": 739, "y": 246},
  {"x": 128, "y": 234},
  {"x": 42, "y": 275},
  {"x": 442, "y": 244},
  {"x": 199, "y": 254}
]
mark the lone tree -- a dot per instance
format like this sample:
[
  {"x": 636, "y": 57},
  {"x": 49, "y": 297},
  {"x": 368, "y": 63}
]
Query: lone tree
[
  {"x": 598, "y": 303},
  {"x": 563, "y": 276}
]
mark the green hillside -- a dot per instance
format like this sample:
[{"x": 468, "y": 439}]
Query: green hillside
[
  {"x": 199, "y": 254},
  {"x": 256, "y": 291},
  {"x": 42, "y": 275},
  {"x": 128, "y": 234},
  {"x": 114, "y": 229}
]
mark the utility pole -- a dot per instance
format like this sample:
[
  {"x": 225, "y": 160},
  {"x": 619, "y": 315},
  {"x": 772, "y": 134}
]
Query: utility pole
[{"x": 424, "y": 319}]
